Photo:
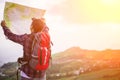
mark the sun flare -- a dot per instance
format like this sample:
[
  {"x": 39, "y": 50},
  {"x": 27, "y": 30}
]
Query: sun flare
[{"x": 110, "y": 2}]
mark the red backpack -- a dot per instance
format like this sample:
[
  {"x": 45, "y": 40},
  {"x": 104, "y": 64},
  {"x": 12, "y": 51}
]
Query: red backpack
[{"x": 41, "y": 52}]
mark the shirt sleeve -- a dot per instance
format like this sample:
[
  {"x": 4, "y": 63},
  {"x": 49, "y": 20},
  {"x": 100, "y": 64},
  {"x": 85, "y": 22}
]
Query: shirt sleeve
[{"x": 14, "y": 37}]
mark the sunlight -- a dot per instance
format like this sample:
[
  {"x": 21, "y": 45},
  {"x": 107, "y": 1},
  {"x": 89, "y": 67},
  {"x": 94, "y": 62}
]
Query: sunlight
[
  {"x": 115, "y": 28},
  {"x": 110, "y": 2}
]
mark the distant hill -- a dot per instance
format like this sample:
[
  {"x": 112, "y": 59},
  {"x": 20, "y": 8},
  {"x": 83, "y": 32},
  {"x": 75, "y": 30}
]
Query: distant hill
[
  {"x": 8, "y": 71},
  {"x": 78, "y": 53},
  {"x": 74, "y": 62}
]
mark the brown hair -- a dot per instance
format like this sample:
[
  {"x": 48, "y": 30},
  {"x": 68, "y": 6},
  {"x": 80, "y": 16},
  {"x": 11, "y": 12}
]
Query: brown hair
[{"x": 37, "y": 25}]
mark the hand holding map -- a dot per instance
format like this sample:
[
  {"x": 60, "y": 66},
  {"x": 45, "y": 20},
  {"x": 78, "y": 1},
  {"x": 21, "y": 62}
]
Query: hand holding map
[
  {"x": 3, "y": 23},
  {"x": 18, "y": 17}
]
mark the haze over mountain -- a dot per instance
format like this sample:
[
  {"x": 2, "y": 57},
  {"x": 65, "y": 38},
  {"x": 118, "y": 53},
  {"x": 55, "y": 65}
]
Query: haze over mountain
[{"x": 75, "y": 61}]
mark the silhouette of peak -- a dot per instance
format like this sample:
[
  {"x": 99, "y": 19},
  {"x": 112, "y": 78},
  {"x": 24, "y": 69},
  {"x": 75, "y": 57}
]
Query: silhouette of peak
[{"x": 72, "y": 49}]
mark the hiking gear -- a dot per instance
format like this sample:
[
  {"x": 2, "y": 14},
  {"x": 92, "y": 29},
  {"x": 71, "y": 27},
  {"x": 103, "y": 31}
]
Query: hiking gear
[
  {"x": 40, "y": 52},
  {"x": 26, "y": 41}
]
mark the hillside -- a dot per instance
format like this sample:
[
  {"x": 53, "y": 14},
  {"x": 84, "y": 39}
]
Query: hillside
[
  {"x": 104, "y": 74},
  {"x": 76, "y": 63},
  {"x": 78, "y": 53},
  {"x": 8, "y": 71}
]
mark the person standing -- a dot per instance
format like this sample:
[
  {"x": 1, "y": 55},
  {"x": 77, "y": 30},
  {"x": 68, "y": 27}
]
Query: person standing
[{"x": 26, "y": 40}]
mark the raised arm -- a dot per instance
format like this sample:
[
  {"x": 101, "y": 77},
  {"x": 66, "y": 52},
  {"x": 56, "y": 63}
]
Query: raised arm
[{"x": 16, "y": 38}]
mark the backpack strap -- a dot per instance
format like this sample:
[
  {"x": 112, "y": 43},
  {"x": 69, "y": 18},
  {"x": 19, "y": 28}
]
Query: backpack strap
[{"x": 36, "y": 38}]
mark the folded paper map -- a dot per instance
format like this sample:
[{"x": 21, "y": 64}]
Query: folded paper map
[{"x": 18, "y": 17}]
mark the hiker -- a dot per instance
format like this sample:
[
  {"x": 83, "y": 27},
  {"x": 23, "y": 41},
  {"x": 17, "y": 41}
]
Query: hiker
[{"x": 27, "y": 71}]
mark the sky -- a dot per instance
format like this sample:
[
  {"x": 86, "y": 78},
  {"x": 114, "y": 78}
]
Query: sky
[{"x": 88, "y": 24}]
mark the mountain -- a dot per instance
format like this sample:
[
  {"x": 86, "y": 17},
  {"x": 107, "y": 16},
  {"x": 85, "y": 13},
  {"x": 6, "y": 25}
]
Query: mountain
[
  {"x": 8, "y": 71},
  {"x": 74, "y": 62},
  {"x": 78, "y": 53}
]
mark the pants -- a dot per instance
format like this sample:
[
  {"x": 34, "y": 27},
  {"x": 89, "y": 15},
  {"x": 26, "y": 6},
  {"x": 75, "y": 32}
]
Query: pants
[{"x": 43, "y": 78}]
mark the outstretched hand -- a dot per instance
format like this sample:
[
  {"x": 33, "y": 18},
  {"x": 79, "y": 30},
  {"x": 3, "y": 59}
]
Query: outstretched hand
[{"x": 3, "y": 23}]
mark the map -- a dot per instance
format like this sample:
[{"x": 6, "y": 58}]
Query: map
[{"x": 19, "y": 17}]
